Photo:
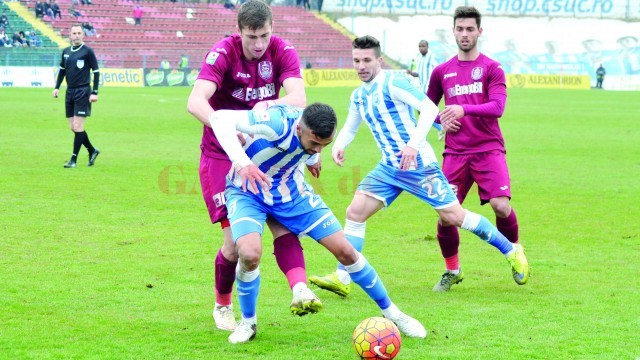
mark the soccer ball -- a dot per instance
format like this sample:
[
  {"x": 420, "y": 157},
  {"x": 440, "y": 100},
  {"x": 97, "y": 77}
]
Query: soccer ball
[{"x": 376, "y": 338}]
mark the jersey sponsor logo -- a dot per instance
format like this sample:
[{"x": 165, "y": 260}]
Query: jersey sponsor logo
[
  {"x": 263, "y": 92},
  {"x": 475, "y": 88},
  {"x": 503, "y": 188},
  {"x": 211, "y": 58},
  {"x": 288, "y": 47},
  {"x": 376, "y": 349},
  {"x": 222, "y": 50},
  {"x": 446, "y": 76},
  {"x": 243, "y": 75},
  {"x": 265, "y": 69},
  {"x": 219, "y": 199},
  {"x": 80, "y": 63}
]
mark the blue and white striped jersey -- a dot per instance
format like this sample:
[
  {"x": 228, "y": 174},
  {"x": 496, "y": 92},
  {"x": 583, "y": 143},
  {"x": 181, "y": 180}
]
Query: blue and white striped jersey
[
  {"x": 277, "y": 152},
  {"x": 387, "y": 105},
  {"x": 426, "y": 64}
]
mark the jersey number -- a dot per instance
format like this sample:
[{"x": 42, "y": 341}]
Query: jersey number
[
  {"x": 314, "y": 199},
  {"x": 435, "y": 187}
]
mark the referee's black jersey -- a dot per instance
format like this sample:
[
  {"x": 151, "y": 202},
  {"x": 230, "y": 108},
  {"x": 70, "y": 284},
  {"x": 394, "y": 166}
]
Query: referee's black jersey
[{"x": 77, "y": 65}]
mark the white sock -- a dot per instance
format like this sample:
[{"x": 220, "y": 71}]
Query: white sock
[
  {"x": 343, "y": 276},
  {"x": 391, "y": 312},
  {"x": 251, "y": 321},
  {"x": 299, "y": 287}
]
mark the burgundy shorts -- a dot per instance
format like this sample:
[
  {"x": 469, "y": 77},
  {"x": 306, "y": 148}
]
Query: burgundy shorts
[
  {"x": 487, "y": 169},
  {"x": 213, "y": 177}
]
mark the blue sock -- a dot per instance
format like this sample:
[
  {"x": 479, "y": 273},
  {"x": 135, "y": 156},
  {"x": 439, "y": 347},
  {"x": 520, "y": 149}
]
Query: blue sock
[
  {"x": 248, "y": 287},
  {"x": 480, "y": 226},
  {"x": 363, "y": 274},
  {"x": 354, "y": 232}
]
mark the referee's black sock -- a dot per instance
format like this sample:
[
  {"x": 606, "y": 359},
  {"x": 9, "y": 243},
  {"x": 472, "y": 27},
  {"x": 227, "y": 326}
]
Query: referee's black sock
[
  {"x": 87, "y": 143},
  {"x": 77, "y": 144}
]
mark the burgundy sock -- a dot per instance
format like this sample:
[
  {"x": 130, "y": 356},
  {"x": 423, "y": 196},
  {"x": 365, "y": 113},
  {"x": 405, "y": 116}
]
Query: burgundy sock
[
  {"x": 288, "y": 252},
  {"x": 449, "y": 241},
  {"x": 225, "y": 276},
  {"x": 509, "y": 226}
]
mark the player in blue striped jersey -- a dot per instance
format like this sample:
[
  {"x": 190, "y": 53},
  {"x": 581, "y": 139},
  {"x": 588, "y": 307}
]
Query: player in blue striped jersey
[
  {"x": 385, "y": 102},
  {"x": 280, "y": 140}
]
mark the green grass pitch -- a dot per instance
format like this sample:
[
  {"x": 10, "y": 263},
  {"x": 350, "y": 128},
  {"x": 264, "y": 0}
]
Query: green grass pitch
[{"x": 115, "y": 261}]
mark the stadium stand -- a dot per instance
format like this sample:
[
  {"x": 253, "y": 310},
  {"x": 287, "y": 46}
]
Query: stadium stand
[{"x": 169, "y": 30}]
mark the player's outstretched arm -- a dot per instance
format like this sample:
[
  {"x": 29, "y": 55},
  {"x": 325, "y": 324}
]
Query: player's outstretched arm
[
  {"x": 198, "y": 103},
  {"x": 225, "y": 124},
  {"x": 296, "y": 94}
]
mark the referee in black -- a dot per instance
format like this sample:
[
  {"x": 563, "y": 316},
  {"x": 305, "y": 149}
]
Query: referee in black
[{"x": 78, "y": 60}]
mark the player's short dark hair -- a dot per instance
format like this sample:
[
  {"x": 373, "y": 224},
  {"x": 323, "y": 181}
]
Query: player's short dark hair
[
  {"x": 367, "y": 42},
  {"x": 321, "y": 119},
  {"x": 253, "y": 14},
  {"x": 467, "y": 12}
]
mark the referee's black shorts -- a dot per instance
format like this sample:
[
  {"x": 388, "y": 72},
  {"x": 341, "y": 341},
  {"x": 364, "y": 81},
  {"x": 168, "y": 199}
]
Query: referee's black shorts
[{"x": 77, "y": 102}]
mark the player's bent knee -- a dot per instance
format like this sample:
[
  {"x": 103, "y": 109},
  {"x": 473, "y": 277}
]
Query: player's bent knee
[
  {"x": 451, "y": 218},
  {"x": 356, "y": 213},
  {"x": 250, "y": 255},
  {"x": 346, "y": 255},
  {"x": 501, "y": 207}
]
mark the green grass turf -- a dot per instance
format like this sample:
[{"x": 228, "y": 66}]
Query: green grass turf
[{"x": 115, "y": 261}]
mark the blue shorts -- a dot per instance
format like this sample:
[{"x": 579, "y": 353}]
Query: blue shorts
[
  {"x": 306, "y": 214},
  {"x": 385, "y": 183}
]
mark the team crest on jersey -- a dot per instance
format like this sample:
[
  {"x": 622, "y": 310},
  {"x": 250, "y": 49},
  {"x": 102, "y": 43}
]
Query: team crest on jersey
[
  {"x": 376, "y": 99},
  {"x": 212, "y": 57},
  {"x": 476, "y": 73},
  {"x": 80, "y": 63},
  {"x": 261, "y": 116},
  {"x": 265, "y": 69}
]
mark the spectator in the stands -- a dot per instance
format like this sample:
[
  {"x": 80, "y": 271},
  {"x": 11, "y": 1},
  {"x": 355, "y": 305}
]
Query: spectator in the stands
[
  {"x": 47, "y": 9},
  {"x": 34, "y": 41},
  {"x": 4, "y": 20},
  {"x": 75, "y": 13},
  {"x": 137, "y": 14},
  {"x": 184, "y": 62},
  {"x": 88, "y": 29},
  {"x": 87, "y": 2},
  {"x": 165, "y": 64},
  {"x": 56, "y": 9},
  {"x": 17, "y": 40},
  {"x": 24, "y": 37},
  {"x": 4, "y": 39},
  {"x": 228, "y": 4},
  {"x": 39, "y": 9}
]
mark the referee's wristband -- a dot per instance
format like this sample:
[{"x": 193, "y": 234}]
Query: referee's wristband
[{"x": 95, "y": 92}]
